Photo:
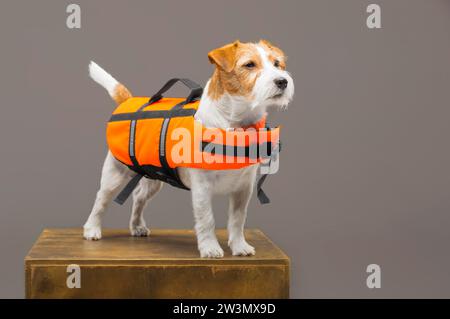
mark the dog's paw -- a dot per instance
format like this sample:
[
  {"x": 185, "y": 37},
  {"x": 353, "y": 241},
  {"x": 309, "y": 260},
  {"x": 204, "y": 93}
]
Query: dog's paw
[
  {"x": 211, "y": 250},
  {"x": 139, "y": 231},
  {"x": 92, "y": 233},
  {"x": 242, "y": 248}
]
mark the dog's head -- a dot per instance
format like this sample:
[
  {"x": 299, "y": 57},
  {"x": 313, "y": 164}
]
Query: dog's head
[{"x": 254, "y": 74}]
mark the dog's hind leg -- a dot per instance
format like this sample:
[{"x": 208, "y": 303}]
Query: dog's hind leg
[
  {"x": 114, "y": 175},
  {"x": 146, "y": 189}
]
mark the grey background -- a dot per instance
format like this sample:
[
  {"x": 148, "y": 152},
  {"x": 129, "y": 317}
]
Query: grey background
[{"x": 364, "y": 172}]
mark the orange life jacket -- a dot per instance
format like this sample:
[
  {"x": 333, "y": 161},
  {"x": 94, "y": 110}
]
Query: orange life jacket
[{"x": 155, "y": 135}]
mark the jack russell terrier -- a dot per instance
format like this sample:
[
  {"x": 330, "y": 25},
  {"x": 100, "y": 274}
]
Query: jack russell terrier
[{"x": 247, "y": 80}]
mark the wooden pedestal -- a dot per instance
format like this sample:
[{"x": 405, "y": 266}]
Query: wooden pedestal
[{"x": 164, "y": 265}]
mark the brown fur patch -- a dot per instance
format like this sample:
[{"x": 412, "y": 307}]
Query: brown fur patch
[
  {"x": 121, "y": 94},
  {"x": 274, "y": 53},
  {"x": 231, "y": 75}
]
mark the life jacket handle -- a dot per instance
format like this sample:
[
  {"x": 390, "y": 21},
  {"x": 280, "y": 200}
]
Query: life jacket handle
[{"x": 196, "y": 90}]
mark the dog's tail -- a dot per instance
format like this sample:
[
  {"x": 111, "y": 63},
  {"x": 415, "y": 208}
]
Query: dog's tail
[{"x": 116, "y": 90}]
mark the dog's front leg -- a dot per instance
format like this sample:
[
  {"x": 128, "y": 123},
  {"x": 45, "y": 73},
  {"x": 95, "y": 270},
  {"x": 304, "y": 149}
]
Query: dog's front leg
[
  {"x": 204, "y": 221},
  {"x": 237, "y": 215}
]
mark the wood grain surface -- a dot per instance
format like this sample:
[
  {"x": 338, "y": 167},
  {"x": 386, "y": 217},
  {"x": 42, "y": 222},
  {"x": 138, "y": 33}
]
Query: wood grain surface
[{"x": 164, "y": 265}]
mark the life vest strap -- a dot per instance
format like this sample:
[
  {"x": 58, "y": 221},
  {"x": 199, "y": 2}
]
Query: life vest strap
[
  {"x": 262, "y": 197},
  {"x": 251, "y": 151},
  {"x": 170, "y": 173},
  {"x": 128, "y": 189},
  {"x": 196, "y": 90},
  {"x": 151, "y": 114}
]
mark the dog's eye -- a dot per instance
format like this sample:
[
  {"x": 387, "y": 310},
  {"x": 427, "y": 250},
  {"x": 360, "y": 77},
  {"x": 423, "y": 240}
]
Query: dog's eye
[
  {"x": 276, "y": 64},
  {"x": 250, "y": 65}
]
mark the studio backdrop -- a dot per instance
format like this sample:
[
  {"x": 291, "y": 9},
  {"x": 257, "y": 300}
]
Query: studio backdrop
[{"x": 364, "y": 172}]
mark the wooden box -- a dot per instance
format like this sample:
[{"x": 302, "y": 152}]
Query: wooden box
[{"x": 164, "y": 265}]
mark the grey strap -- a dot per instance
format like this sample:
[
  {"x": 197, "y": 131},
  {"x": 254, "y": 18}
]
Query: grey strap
[
  {"x": 128, "y": 189},
  {"x": 196, "y": 90},
  {"x": 262, "y": 197}
]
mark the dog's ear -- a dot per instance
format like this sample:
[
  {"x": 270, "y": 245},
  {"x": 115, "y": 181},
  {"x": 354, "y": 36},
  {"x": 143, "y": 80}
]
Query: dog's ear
[
  {"x": 225, "y": 57},
  {"x": 273, "y": 48}
]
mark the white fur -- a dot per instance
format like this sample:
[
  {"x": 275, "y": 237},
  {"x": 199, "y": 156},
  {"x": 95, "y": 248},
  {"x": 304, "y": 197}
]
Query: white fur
[
  {"x": 228, "y": 111},
  {"x": 103, "y": 78},
  {"x": 264, "y": 87}
]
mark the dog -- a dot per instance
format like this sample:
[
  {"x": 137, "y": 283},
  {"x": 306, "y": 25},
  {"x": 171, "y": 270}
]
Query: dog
[{"x": 247, "y": 80}]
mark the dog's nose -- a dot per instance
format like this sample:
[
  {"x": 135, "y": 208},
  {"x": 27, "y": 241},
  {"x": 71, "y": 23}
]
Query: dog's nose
[{"x": 281, "y": 83}]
